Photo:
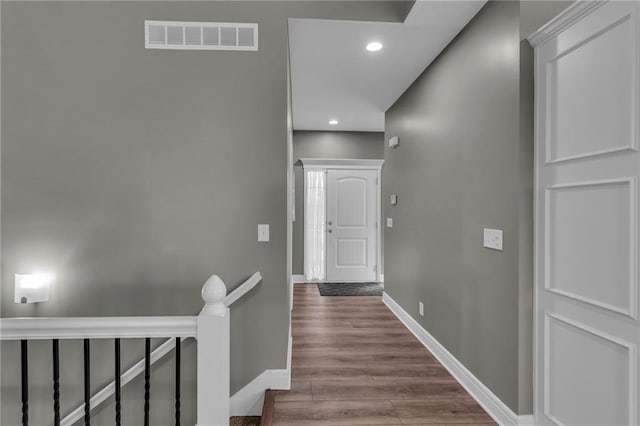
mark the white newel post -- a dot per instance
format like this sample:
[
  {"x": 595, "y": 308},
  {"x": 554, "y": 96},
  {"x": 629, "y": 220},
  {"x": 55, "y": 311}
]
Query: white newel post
[{"x": 213, "y": 356}]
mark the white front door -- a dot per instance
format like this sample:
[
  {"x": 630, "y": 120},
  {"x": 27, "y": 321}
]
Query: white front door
[
  {"x": 587, "y": 163},
  {"x": 351, "y": 225}
]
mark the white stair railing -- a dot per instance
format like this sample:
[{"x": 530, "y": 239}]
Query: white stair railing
[
  {"x": 214, "y": 349},
  {"x": 243, "y": 289},
  {"x": 210, "y": 328}
]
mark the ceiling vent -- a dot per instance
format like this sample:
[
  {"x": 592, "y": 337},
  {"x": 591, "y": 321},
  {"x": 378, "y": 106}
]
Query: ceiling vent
[{"x": 200, "y": 35}]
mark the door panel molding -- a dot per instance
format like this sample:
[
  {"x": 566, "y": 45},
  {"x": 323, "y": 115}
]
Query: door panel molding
[
  {"x": 353, "y": 219},
  {"x": 632, "y": 362},
  {"x": 631, "y": 184},
  {"x": 578, "y": 47}
]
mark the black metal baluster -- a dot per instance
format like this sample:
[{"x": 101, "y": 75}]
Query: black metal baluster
[
  {"x": 177, "y": 381},
  {"x": 25, "y": 382},
  {"x": 147, "y": 376},
  {"x": 117, "y": 374},
  {"x": 56, "y": 383},
  {"x": 87, "y": 384}
]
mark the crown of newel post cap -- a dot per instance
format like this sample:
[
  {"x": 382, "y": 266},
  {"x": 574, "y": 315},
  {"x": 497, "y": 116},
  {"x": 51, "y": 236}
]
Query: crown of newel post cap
[{"x": 213, "y": 293}]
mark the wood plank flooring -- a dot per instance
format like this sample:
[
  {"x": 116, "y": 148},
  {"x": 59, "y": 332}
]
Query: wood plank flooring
[{"x": 354, "y": 363}]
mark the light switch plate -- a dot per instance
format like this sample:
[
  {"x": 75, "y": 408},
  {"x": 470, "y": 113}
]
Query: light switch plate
[
  {"x": 493, "y": 238},
  {"x": 393, "y": 142},
  {"x": 263, "y": 232},
  {"x": 394, "y": 199},
  {"x": 389, "y": 222},
  {"x": 421, "y": 308}
]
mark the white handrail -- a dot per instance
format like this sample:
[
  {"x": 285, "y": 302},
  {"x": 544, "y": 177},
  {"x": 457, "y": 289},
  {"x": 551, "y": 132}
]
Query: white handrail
[
  {"x": 104, "y": 393},
  {"x": 96, "y": 328},
  {"x": 210, "y": 328},
  {"x": 45, "y": 328},
  {"x": 243, "y": 289}
]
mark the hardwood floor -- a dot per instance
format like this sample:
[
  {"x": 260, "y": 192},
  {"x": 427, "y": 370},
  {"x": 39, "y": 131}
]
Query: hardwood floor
[{"x": 354, "y": 363}]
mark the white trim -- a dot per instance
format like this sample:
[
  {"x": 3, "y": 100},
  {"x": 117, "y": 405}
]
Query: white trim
[
  {"x": 527, "y": 420},
  {"x": 133, "y": 372},
  {"x": 96, "y": 328},
  {"x": 379, "y": 225},
  {"x": 280, "y": 379},
  {"x": 298, "y": 279},
  {"x": 242, "y": 289},
  {"x": 289, "y": 357},
  {"x": 381, "y": 278},
  {"x": 497, "y": 409},
  {"x": 341, "y": 163},
  {"x": 564, "y": 20},
  {"x": 537, "y": 114},
  {"x": 249, "y": 400}
]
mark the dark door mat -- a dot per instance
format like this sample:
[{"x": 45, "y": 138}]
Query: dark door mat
[{"x": 350, "y": 289}]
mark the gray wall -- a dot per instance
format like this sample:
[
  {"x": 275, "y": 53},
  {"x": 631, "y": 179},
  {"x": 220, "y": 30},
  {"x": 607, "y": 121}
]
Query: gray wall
[
  {"x": 310, "y": 144},
  {"x": 455, "y": 172},
  {"x": 465, "y": 163},
  {"x": 133, "y": 175}
]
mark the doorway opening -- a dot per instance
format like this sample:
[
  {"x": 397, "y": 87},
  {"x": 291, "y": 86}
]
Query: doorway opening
[{"x": 342, "y": 241}]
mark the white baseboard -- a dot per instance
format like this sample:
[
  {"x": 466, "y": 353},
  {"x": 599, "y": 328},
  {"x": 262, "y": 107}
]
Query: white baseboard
[
  {"x": 289, "y": 355},
  {"x": 248, "y": 401},
  {"x": 298, "y": 279},
  {"x": 487, "y": 399},
  {"x": 280, "y": 379},
  {"x": 527, "y": 420}
]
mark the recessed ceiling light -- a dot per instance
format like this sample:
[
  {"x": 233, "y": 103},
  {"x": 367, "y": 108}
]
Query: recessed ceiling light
[
  {"x": 374, "y": 46},
  {"x": 333, "y": 122}
]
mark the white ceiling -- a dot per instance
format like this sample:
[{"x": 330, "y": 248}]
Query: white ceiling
[{"x": 334, "y": 77}]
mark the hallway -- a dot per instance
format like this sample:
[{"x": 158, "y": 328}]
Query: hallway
[{"x": 354, "y": 363}]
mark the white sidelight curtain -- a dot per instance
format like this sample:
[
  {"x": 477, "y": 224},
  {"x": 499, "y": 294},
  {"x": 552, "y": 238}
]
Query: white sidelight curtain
[{"x": 314, "y": 224}]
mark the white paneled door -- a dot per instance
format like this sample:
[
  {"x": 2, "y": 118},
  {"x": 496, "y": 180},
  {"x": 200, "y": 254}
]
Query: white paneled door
[
  {"x": 587, "y": 168},
  {"x": 351, "y": 225}
]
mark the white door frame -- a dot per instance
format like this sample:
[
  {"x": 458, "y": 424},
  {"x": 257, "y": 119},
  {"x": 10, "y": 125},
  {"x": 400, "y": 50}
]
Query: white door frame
[{"x": 355, "y": 164}]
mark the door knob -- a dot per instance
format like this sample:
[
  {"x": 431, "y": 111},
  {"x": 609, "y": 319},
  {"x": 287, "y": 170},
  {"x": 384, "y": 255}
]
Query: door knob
[
  {"x": 329, "y": 231},
  {"x": 329, "y": 223}
]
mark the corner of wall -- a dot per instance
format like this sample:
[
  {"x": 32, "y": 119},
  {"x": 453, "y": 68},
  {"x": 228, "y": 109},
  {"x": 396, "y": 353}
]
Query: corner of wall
[{"x": 248, "y": 401}]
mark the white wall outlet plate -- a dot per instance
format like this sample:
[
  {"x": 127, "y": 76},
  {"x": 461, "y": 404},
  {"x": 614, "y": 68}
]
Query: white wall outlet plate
[
  {"x": 394, "y": 199},
  {"x": 393, "y": 142},
  {"x": 493, "y": 238},
  {"x": 421, "y": 308},
  {"x": 263, "y": 232},
  {"x": 389, "y": 222}
]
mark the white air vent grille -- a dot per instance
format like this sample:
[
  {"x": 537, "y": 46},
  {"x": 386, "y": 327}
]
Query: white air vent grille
[{"x": 200, "y": 35}]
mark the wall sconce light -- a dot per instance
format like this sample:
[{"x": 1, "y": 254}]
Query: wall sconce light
[{"x": 32, "y": 288}]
